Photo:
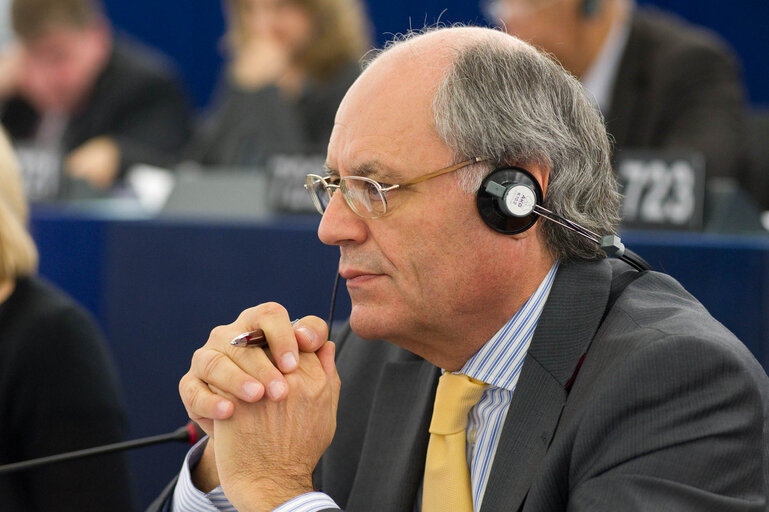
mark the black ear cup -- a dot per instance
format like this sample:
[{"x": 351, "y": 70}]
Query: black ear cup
[{"x": 506, "y": 200}]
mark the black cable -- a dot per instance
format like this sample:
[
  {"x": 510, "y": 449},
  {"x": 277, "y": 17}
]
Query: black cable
[
  {"x": 635, "y": 261},
  {"x": 186, "y": 434},
  {"x": 333, "y": 303}
]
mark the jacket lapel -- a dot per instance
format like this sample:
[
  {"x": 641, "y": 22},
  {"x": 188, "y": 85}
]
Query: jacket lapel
[
  {"x": 568, "y": 323},
  {"x": 396, "y": 439}
]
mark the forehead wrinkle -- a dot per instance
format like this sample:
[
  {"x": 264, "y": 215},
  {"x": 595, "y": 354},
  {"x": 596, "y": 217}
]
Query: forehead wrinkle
[
  {"x": 370, "y": 169},
  {"x": 375, "y": 170}
]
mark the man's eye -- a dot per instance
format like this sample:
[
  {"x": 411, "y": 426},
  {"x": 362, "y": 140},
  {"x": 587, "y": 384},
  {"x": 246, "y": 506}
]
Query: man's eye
[{"x": 371, "y": 189}]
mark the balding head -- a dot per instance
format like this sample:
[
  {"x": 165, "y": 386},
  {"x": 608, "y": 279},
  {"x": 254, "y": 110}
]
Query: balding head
[{"x": 482, "y": 92}]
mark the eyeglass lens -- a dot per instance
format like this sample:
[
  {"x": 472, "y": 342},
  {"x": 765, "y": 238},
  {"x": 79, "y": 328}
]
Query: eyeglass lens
[{"x": 362, "y": 194}]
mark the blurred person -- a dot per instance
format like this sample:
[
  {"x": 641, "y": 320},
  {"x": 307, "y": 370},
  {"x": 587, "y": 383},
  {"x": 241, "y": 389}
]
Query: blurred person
[
  {"x": 79, "y": 101},
  {"x": 291, "y": 61},
  {"x": 6, "y": 34},
  {"x": 58, "y": 389},
  {"x": 660, "y": 82}
]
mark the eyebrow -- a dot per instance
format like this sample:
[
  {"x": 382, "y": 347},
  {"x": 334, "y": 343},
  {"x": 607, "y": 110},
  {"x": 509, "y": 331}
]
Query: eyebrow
[{"x": 371, "y": 169}]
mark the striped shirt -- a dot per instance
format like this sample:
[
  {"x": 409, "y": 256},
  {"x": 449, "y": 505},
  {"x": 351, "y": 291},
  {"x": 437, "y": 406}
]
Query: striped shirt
[{"x": 498, "y": 363}]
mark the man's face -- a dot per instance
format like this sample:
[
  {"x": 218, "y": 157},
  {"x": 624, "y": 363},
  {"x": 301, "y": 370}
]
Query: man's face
[
  {"x": 284, "y": 22},
  {"x": 60, "y": 66},
  {"x": 553, "y": 25},
  {"x": 430, "y": 262}
]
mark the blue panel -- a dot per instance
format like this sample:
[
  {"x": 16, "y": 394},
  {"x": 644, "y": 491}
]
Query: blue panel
[
  {"x": 159, "y": 286},
  {"x": 188, "y": 32},
  {"x": 71, "y": 255}
]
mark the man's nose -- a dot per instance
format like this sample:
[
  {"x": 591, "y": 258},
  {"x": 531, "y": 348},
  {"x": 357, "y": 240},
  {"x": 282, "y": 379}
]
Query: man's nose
[{"x": 340, "y": 224}]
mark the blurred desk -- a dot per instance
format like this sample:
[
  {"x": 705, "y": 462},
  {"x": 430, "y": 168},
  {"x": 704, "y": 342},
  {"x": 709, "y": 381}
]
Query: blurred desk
[{"x": 158, "y": 286}]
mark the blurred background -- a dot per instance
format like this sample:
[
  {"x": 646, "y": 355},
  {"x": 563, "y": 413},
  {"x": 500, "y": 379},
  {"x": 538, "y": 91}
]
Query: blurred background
[
  {"x": 191, "y": 33},
  {"x": 178, "y": 250}
]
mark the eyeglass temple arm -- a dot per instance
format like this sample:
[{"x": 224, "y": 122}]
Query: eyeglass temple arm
[{"x": 447, "y": 170}]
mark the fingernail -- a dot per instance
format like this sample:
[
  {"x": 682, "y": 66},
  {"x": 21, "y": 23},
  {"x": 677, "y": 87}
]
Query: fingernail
[
  {"x": 277, "y": 389},
  {"x": 252, "y": 389},
  {"x": 289, "y": 361},
  {"x": 223, "y": 409},
  {"x": 308, "y": 334}
]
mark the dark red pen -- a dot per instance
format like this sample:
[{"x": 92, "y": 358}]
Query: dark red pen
[
  {"x": 250, "y": 339},
  {"x": 253, "y": 338}
]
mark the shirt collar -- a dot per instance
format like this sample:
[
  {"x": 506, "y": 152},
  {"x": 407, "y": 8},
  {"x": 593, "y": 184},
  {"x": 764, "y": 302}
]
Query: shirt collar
[{"x": 499, "y": 361}]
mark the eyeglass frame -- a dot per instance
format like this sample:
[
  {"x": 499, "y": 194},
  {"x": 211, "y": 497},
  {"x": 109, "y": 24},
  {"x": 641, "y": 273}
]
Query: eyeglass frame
[{"x": 382, "y": 190}]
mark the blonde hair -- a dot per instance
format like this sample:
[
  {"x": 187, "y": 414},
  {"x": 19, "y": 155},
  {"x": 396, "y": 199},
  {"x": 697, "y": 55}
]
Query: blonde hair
[
  {"x": 18, "y": 254},
  {"x": 342, "y": 33}
]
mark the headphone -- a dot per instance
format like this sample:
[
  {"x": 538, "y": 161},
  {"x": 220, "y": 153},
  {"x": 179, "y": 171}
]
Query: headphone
[{"x": 510, "y": 202}]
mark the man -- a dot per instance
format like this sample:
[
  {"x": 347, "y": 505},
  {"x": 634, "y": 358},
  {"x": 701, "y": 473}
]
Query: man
[
  {"x": 78, "y": 101},
  {"x": 660, "y": 82},
  {"x": 601, "y": 388}
]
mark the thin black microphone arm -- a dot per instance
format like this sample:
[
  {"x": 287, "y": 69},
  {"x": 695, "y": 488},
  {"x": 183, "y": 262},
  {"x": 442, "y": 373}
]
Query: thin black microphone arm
[{"x": 189, "y": 433}]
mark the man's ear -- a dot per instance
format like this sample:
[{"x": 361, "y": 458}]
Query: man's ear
[{"x": 541, "y": 173}]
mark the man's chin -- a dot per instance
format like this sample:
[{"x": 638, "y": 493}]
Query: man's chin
[{"x": 369, "y": 325}]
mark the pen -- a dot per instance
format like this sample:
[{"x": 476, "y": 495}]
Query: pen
[
  {"x": 250, "y": 339},
  {"x": 255, "y": 338}
]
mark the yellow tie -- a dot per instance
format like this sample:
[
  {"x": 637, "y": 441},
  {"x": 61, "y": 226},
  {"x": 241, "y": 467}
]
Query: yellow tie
[{"x": 447, "y": 478}]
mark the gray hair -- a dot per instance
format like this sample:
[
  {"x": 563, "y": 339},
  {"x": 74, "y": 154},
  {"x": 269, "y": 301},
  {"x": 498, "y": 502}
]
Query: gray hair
[{"x": 516, "y": 106}]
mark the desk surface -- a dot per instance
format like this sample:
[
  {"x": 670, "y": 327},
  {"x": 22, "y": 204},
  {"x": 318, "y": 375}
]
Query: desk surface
[{"x": 158, "y": 286}]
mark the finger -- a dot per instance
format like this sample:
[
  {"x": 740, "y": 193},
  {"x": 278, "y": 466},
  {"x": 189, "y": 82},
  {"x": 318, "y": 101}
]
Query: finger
[
  {"x": 259, "y": 363},
  {"x": 217, "y": 369},
  {"x": 201, "y": 403},
  {"x": 311, "y": 333},
  {"x": 273, "y": 319},
  {"x": 326, "y": 356},
  {"x": 244, "y": 372}
]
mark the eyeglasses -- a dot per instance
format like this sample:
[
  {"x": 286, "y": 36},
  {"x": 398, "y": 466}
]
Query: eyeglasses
[{"x": 366, "y": 197}]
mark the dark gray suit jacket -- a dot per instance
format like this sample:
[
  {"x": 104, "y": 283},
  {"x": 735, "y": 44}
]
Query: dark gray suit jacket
[
  {"x": 679, "y": 87},
  {"x": 649, "y": 404}
]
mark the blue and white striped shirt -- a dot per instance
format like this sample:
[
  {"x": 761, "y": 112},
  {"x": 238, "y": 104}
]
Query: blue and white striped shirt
[{"x": 498, "y": 363}]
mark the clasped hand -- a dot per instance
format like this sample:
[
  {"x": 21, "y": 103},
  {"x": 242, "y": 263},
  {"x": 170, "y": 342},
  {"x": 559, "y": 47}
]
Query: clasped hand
[{"x": 270, "y": 413}]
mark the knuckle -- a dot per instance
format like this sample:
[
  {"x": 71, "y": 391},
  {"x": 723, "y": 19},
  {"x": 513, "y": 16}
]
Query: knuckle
[
  {"x": 191, "y": 398},
  {"x": 267, "y": 373},
  {"x": 209, "y": 362},
  {"x": 271, "y": 309},
  {"x": 216, "y": 332}
]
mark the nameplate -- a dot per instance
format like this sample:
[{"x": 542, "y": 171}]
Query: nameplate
[
  {"x": 662, "y": 190},
  {"x": 287, "y": 178}
]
